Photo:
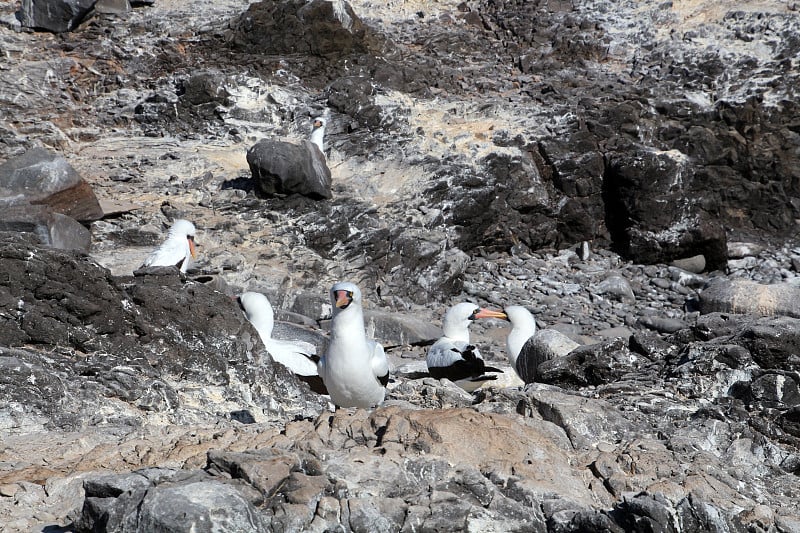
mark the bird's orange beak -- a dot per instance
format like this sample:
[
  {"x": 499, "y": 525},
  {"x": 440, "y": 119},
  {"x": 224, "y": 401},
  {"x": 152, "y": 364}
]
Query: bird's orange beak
[
  {"x": 192, "y": 249},
  {"x": 343, "y": 298},
  {"x": 489, "y": 313},
  {"x": 317, "y": 123}
]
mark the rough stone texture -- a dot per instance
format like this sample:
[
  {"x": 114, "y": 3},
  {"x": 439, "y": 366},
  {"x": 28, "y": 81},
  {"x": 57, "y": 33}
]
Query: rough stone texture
[
  {"x": 284, "y": 168},
  {"x": 145, "y": 343},
  {"x": 471, "y": 148},
  {"x": 747, "y": 297},
  {"x": 50, "y": 229},
  {"x": 54, "y": 15},
  {"x": 637, "y": 186},
  {"x": 42, "y": 194},
  {"x": 545, "y": 345},
  {"x": 42, "y": 177}
]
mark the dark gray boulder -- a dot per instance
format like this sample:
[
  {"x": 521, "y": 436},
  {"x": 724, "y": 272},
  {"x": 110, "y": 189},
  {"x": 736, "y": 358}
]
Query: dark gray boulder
[
  {"x": 651, "y": 213},
  {"x": 44, "y": 178},
  {"x": 280, "y": 167},
  {"x": 41, "y": 194},
  {"x": 48, "y": 228},
  {"x": 54, "y": 15},
  {"x": 166, "y": 500},
  {"x": 545, "y": 345},
  {"x": 592, "y": 364},
  {"x": 773, "y": 343},
  {"x": 58, "y": 300},
  {"x": 326, "y": 34}
]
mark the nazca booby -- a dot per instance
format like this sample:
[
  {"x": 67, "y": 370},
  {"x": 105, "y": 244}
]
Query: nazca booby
[
  {"x": 177, "y": 250},
  {"x": 296, "y": 355},
  {"x": 452, "y": 356},
  {"x": 318, "y": 133},
  {"x": 355, "y": 369},
  {"x": 523, "y": 328}
]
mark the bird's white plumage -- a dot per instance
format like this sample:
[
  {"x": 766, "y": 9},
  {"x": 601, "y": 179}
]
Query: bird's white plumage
[
  {"x": 523, "y": 327},
  {"x": 355, "y": 368},
  {"x": 452, "y": 356},
  {"x": 177, "y": 249},
  {"x": 293, "y": 354},
  {"x": 318, "y": 133}
]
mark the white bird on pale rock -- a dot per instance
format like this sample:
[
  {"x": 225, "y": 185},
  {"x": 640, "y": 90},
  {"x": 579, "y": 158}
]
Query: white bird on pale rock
[
  {"x": 355, "y": 369},
  {"x": 453, "y": 357},
  {"x": 178, "y": 249}
]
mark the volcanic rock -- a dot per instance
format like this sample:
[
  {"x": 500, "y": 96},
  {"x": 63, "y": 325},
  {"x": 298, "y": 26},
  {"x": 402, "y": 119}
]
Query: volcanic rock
[
  {"x": 280, "y": 167},
  {"x": 545, "y": 345},
  {"x": 747, "y": 297},
  {"x": 41, "y": 177},
  {"x": 475, "y": 146},
  {"x": 50, "y": 229},
  {"x": 54, "y": 15}
]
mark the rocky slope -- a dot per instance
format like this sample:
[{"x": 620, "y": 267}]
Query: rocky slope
[{"x": 609, "y": 165}]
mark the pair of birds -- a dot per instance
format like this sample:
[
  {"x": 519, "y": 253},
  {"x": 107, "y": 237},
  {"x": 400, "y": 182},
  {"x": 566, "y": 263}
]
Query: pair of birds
[
  {"x": 453, "y": 357},
  {"x": 179, "y": 249},
  {"x": 354, "y": 371}
]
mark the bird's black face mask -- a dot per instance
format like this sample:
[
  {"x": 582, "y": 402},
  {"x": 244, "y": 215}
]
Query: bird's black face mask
[{"x": 343, "y": 299}]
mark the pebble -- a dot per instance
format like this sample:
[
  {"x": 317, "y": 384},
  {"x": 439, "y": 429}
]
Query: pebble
[{"x": 9, "y": 489}]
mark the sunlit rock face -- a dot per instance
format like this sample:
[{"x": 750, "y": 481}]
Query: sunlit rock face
[{"x": 627, "y": 171}]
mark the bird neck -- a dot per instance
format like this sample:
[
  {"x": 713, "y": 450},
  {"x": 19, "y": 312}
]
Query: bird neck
[
  {"x": 458, "y": 332},
  {"x": 516, "y": 340},
  {"x": 263, "y": 325},
  {"x": 348, "y": 326},
  {"x": 316, "y": 137}
]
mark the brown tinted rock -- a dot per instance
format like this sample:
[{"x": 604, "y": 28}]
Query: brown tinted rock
[{"x": 41, "y": 177}]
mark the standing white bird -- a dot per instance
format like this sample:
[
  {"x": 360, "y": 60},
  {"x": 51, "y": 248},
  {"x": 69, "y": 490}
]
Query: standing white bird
[
  {"x": 354, "y": 369},
  {"x": 523, "y": 328},
  {"x": 296, "y": 355},
  {"x": 318, "y": 133},
  {"x": 177, "y": 250},
  {"x": 453, "y": 357}
]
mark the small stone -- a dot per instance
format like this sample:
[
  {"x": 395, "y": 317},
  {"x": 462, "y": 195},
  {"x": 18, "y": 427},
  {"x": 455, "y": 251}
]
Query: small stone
[
  {"x": 9, "y": 489},
  {"x": 695, "y": 264}
]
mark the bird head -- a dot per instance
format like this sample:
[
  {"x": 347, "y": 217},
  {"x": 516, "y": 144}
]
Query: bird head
[
  {"x": 182, "y": 228},
  {"x": 344, "y": 294}
]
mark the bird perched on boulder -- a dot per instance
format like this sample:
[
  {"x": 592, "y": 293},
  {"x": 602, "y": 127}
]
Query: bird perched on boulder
[
  {"x": 296, "y": 355},
  {"x": 318, "y": 133},
  {"x": 453, "y": 357},
  {"x": 282, "y": 167},
  {"x": 355, "y": 369},
  {"x": 177, "y": 250}
]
